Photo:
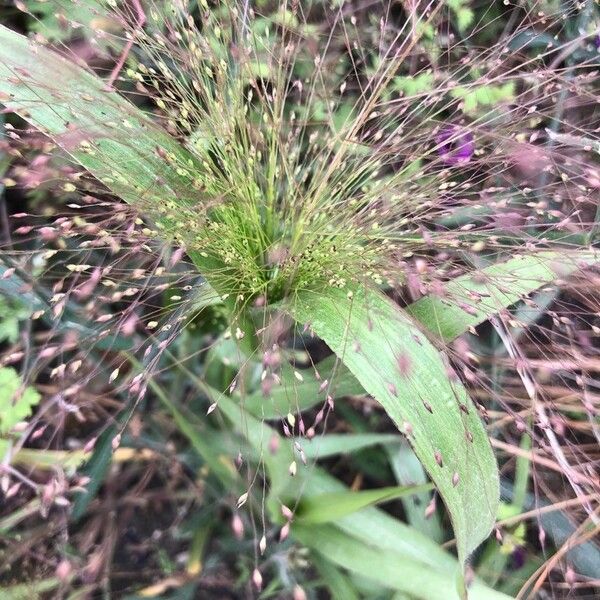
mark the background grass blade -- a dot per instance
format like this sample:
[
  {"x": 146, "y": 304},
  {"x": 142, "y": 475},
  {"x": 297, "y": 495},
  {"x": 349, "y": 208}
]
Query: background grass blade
[
  {"x": 473, "y": 298},
  {"x": 302, "y": 395},
  {"x": 338, "y": 585},
  {"x": 332, "y": 506},
  {"x": 344, "y": 443},
  {"x": 409, "y": 471},
  {"x": 389, "y": 568},
  {"x": 371, "y": 525},
  {"x": 366, "y": 535}
]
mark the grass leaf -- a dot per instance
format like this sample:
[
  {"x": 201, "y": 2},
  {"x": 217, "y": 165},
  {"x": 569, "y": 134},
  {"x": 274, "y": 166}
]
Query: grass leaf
[
  {"x": 396, "y": 364},
  {"x": 331, "y": 444},
  {"x": 389, "y": 568},
  {"x": 491, "y": 289},
  {"x": 408, "y": 471},
  {"x": 72, "y": 106},
  {"x": 501, "y": 286},
  {"x": 332, "y": 506},
  {"x": 300, "y": 396},
  {"x": 367, "y": 534}
]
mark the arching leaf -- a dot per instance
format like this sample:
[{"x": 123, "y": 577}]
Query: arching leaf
[{"x": 395, "y": 362}]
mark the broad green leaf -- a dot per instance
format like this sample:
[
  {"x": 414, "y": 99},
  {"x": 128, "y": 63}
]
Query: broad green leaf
[
  {"x": 473, "y": 298},
  {"x": 395, "y": 363},
  {"x": 296, "y": 396},
  {"x": 339, "y": 585},
  {"x": 72, "y": 106},
  {"x": 334, "y": 505},
  {"x": 374, "y": 531},
  {"x": 499, "y": 286},
  {"x": 369, "y": 524},
  {"x": 113, "y": 139},
  {"x": 375, "y": 528}
]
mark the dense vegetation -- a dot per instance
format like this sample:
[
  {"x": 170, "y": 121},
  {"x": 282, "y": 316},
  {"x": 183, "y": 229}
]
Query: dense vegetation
[{"x": 299, "y": 300}]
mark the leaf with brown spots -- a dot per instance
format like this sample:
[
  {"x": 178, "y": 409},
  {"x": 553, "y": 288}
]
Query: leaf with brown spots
[{"x": 423, "y": 403}]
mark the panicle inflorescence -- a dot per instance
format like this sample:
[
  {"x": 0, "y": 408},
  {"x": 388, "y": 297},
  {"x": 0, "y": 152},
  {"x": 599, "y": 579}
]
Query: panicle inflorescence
[
  {"x": 311, "y": 164},
  {"x": 301, "y": 161},
  {"x": 308, "y": 162}
]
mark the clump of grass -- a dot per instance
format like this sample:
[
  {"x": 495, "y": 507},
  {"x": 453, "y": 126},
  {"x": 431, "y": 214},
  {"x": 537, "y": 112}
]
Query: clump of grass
[
  {"x": 305, "y": 170},
  {"x": 308, "y": 167},
  {"x": 322, "y": 149},
  {"x": 279, "y": 217}
]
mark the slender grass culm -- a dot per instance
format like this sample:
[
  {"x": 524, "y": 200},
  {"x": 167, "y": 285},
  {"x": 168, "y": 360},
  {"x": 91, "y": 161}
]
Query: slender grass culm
[{"x": 236, "y": 213}]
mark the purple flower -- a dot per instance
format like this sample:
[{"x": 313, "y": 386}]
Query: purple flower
[
  {"x": 455, "y": 145},
  {"x": 518, "y": 556}
]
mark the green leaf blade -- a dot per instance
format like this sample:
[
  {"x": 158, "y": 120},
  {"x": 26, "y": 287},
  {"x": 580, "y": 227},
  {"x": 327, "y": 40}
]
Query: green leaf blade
[
  {"x": 71, "y": 105},
  {"x": 335, "y": 505},
  {"x": 366, "y": 535},
  {"x": 387, "y": 567},
  {"x": 499, "y": 286},
  {"x": 371, "y": 335}
]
